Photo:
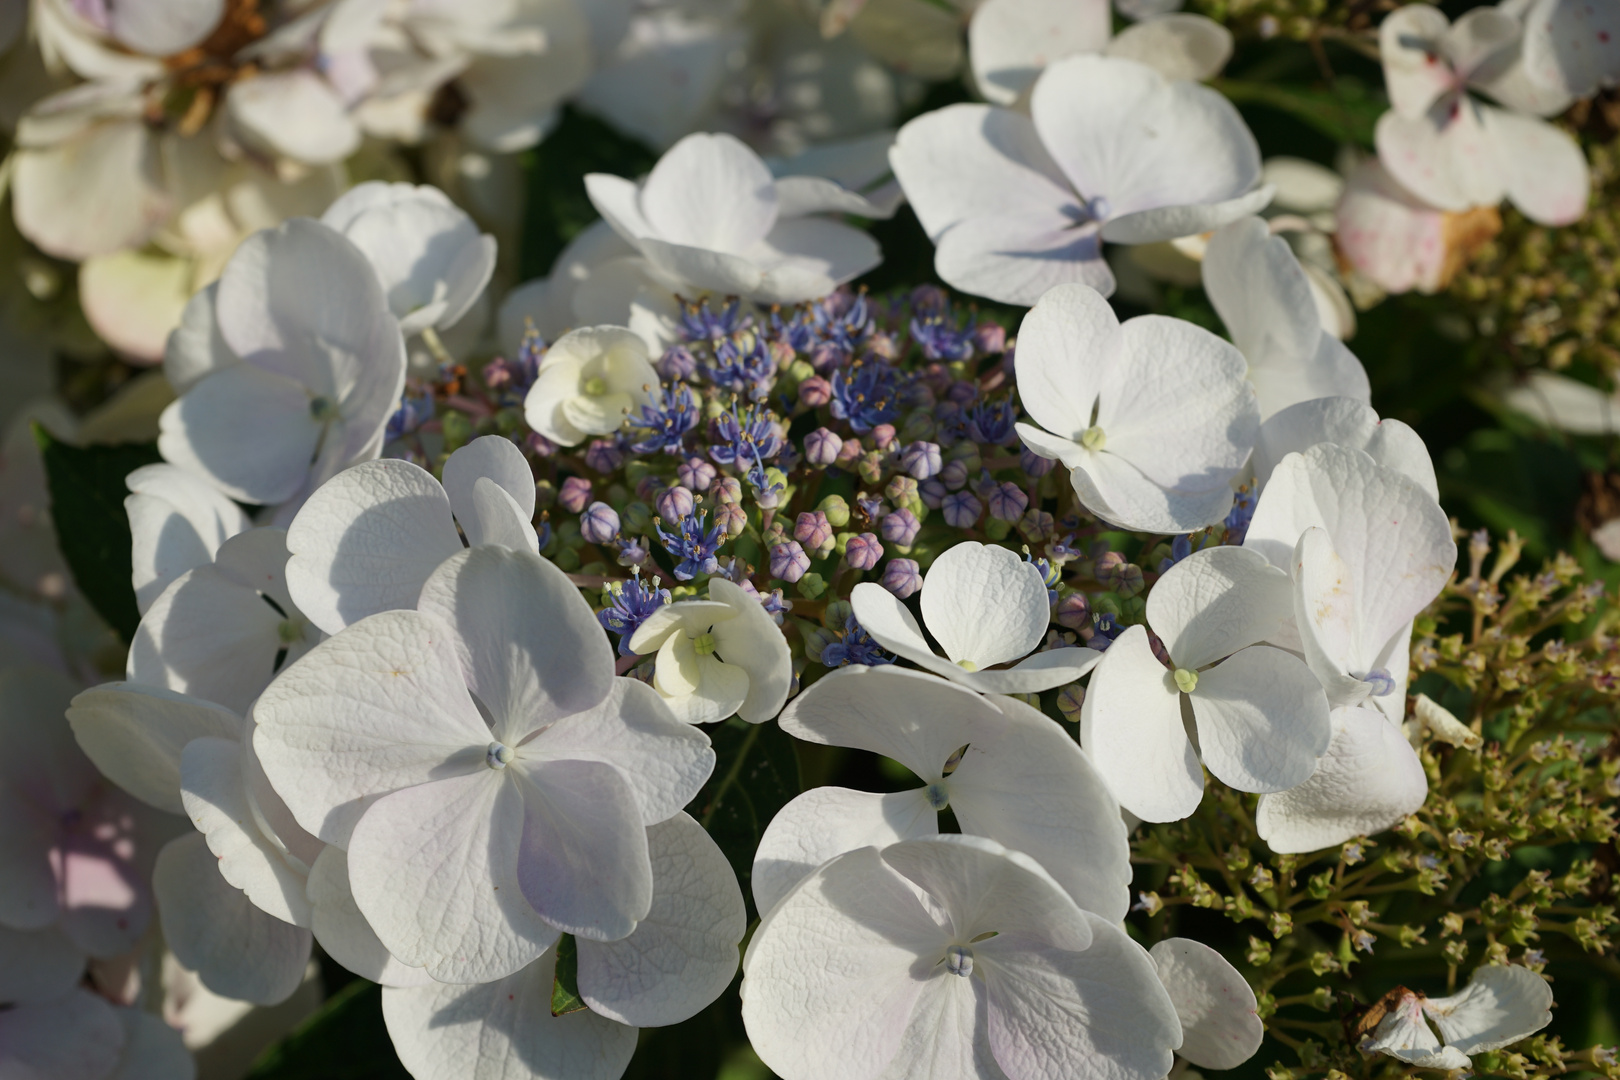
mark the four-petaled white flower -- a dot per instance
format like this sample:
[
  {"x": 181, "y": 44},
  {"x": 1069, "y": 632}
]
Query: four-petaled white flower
[
  {"x": 712, "y": 215},
  {"x": 589, "y": 381},
  {"x": 369, "y": 538},
  {"x": 985, "y": 606},
  {"x": 427, "y": 252},
  {"x": 717, "y": 656},
  {"x": 1111, "y": 151},
  {"x": 489, "y": 777},
  {"x": 1006, "y": 771},
  {"x": 1265, "y": 298},
  {"x": 1499, "y": 1006},
  {"x": 1152, "y": 417},
  {"x": 287, "y": 369},
  {"x": 1261, "y": 718},
  {"x": 1456, "y": 152},
  {"x": 679, "y": 958},
  {"x": 950, "y": 956}
]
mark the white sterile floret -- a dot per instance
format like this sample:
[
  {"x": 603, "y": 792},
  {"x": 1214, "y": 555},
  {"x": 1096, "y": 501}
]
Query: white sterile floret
[
  {"x": 1153, "y": 417},
  {"x": 223, "y": 630},
  {"x": 1264, "y": 297},
  {"x": 712, "y": 215},
  {"x": 427, "y": 252},
  {"x": 1368, "y": 548},
  {"x": 1456, "y": 152},
  {"x": 680, "y": 958},
  {"x": 369, "y": 538},
  {"x": 985, "y": 606},
  {"x": 1347, "y": 422},
  {"x": 1111, "y": 151},
  {"x": 717, "y": 656},
  {"x": 1220, "y": 1021},
  {"x": 72, "y": 849},
  {"x": 589, "y": 381},
  {"x": 1499, "y": 1006},
  {"x": 1006, "y": 771},
  {"x": 950, "y": 957},
  {"x": 287, "y": 369},
  {"x": 1011, "y": 41},
  {"x": 1571, "y": 47},
  {"x": 177, "y": 521},
  {"x": 231, "y": 896},
  {"x": 1260, "y": 716},
  {"x": 489, "y": 777},
  {"x": 1369, "y": 780}
]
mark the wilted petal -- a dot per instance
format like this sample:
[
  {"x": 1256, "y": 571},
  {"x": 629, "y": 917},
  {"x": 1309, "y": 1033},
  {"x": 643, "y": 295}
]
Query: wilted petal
[{"x": 1500, "y": 1005}]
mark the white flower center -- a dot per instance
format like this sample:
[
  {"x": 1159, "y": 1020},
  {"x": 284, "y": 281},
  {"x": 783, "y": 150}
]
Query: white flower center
[
  {"x": 290, "y": 631},
  {"x": 1093, "y": 438},
  {"x": 704, "y": 644},
  {"x": 498, "y": 756},
  {"x": 959, "y": 960},
  {"x": 596, "y": 386},
  {"x": 1187, "y": 680},
  {"x": 937, "y": 796},
  {"x": 967, "y": 665},
  {"x": 323, "y": 409}
]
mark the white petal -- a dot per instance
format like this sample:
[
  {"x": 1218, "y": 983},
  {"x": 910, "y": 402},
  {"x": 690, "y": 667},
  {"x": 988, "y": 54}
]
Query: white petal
[
  {"x": 716, "y": 271},
  {"x": 1325, "y": 616},
  {"x": 1176, "y": 46},
  {"x": 1220, "y": 1028},
  {"x": 213, "y": 929},
  {"x": 753, "y": 642},
  {"x": 1414, "y": 71},
  {"x": 984, "y": 604},
  {"x": 1024, "y": 783},
  {"x": 530, "y": 646},
  {"x": 1017, "y": 258},
  {"x": 824, "y": 823},
  {"x": 1403, "y": 1035},
  {"x": 382, "y": 706},
  {"x": 248, "y": 431},
  {"x": 77, "y": 1037},
  {"x": 1131, "y": 727},
  {"x": 694, "y": 616},
  {"x": 177, "y": 522},
  {"x": 1500, "y": 1005},
  {"x": 1216, "y": 601},
  {"x": 1347, "y": 422},
  {"x": 494, "y": 457},
  {"x": 1158, "y": 224},
  {"x": 1544, "y": 171},
  {"x": 1010, "y": 41},
  {"x": 1572, "y": 46},
  {"x": 1389, "y": 234},
  {"x": 1447, "y": 158},
  {"x": 367, "y": 541},
  {"x": 806, "y": 258},
  {"x": 217, "y": 802},
  {"x": 892, "y": 626},
  {"x": 1262, "y": 720},
  {"x": 1117, "y": 491},
  {"x": 1056, "y": 1012},
  {"x": 93, "y": 194},
  {"x": 917, "y": 719},
  {"x": 37, "y": 965},
  {"x": 1065, "y": 343},
  {"x": 619, "y": 202},
  {"x": 802, "y": 195},
  {"x": 294, "y": 114},
  {"x": 161, "y": 29},
  {"x": 1561, "y": 402},
  {"x": 133, "y": 299},
  {"x": 1041, "y": 671},
  {"x": 828, "y": 983},
  {"x": 697, "y": 689},
  {"x": 683, "y": 954},
  {"x": 152, "y": 1050},
  {"x": 434, "y": 869},
  {"x": 196, "y": 348},
  {"x": 342, "y": 930},
  {"x": 711, "y": 192},
  {"x": 978, "y": 885},
  {"x": 1369, "y": 779},
  {"x": 135, "y": 735},
  {"x": 503, "y": 1030}
]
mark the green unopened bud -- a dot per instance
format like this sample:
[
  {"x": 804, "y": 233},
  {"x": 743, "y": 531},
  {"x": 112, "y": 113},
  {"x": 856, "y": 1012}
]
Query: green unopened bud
[
  {"x": 837, "y": 511},
  {"x": 837, "y": 614},
  {"x": 458, "y": 430},
  {"x": 1070, "y": 700},
  {"x": 811, "y": 586}
]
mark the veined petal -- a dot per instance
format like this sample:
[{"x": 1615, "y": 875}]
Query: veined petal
[
  {"x": 1065, "y": 345},
  {"x": 1262, "y": 720},
  {"x": 1348, "y": 422},
  {"x": 135, "y": 736},
  {"x": 754, "y": 643},
  {"x": 711, "y": 192},
  {"x": 341, "y": 929},
  {"x": 984, "y": 604},
  {"x": 1220, "y": 1025},
  {"x": 1216, "y": 601},
  {"x": 826, "y": 822},
  {"x": 915, "y": 718},
  {"x": 1500, "y": 1005}
]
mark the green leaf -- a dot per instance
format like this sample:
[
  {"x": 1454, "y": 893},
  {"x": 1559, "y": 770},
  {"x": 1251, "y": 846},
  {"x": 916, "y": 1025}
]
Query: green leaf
[
  {"x": 345, "y": 1040},
  {"x": 565, "y": 987},
  {"x": 1346, "y": 113},
  {"x": 557, "y": 208},
  {"x": 87, "y": 507},
  {"x": 756, "y": 773}
]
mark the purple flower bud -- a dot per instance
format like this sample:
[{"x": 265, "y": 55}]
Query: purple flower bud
[
  {"x": 1007, "y": 502},
  {"x": 788, "y": 561},
  {"x": 696, "y": 473},
  {"x": 1109, "y": 569},
  {"x": 954, "y": 475},
  {"x": 731, "y": 517},
  {"x": 900, "y": 527},
  {"x": 599, "y": 523},
  {"x": 602, "y": 456},
  {"x": 850, "y": 453},
  {"x": 675, "y": 503},
  {"x": 932, "y": 493},
  {"x": 676, "y": 363},
  {"x": 883, "y": 435},
  {"x": 575, "y": 494},
  {"x": 1033, "y": 464},
  {"x": 828, "y": 355},
  {"x": 962, "y": 392},
  {"x": 813, "y": 530},
  {"x": 921, "y": 460},
  {"x": 902, "y": 577},
  {"x": 990, "y": 338},
  {"x": 1071, "y": 699},
  {"x": 961, "y": 510},
  {"x": 632, "y": 552},
  {"x": 901, "y": 490},
  {"x": 727, "y": 489},
  {"x": 929, "y": 298},
  {"x": 1037, "y": 526},
  {"x": 863, "y": 551},
  {"x": 815, "y": 392},
  {"x": 1074, "y": 611},
  {"x": 540, "y": 446},
  {"x": 821, "y": 447}
]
